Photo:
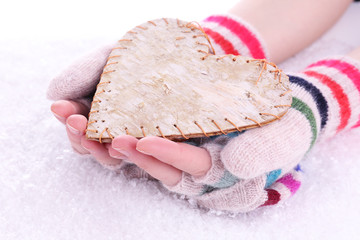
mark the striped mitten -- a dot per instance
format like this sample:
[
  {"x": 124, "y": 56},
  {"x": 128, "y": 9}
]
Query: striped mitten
[{"x": 259, "y": 167}]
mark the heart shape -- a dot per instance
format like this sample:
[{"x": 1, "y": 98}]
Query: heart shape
[{"x": 163, "y": 79}]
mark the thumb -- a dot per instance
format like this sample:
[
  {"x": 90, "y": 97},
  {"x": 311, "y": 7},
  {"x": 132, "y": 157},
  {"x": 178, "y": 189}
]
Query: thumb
[{"x": 81, "y": 77}]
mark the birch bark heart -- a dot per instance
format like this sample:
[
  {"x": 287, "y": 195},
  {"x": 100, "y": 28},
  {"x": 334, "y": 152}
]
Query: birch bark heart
[{"x": 163, "y": 79}]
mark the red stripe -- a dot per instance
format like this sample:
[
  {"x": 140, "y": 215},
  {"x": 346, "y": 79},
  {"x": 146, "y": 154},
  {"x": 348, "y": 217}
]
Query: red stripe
[
  {"x": 339, "y": 94},
  {"x": 245, "y": 35},
  {"x": 273, "y": 197},
  {"x": 349, "y": 70},
  {"x": 220, "y": 40}
]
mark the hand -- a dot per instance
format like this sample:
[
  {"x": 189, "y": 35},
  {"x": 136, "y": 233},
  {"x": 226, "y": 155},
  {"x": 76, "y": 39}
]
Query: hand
[
  {"x": 79, "y": 81},
  {"x": 72, "y": 114},
  {"x": 200, "y": 172},
  {"x": 181, "y": 167}
]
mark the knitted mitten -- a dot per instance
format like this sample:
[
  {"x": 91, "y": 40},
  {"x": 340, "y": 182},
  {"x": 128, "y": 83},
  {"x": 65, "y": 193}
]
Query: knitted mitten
[{"x": 260, "y": 166}]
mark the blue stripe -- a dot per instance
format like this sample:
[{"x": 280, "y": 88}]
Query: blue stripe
[
  {"x": 234, "y": 134},
  {"x": 271, "y": 177},
  {"x": 320, "y": 100}
]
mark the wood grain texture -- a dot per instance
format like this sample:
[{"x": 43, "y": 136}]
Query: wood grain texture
[{"x": 163, "y": 79}]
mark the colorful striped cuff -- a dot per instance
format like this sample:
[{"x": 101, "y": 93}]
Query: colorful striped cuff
[
  {"x": 231, "y": 35},
  {"x": 342, "y": 77},
  {"x": 332, "y": 87}
]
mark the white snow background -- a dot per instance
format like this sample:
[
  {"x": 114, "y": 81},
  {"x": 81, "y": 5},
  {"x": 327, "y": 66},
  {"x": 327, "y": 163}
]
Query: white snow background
[{"x": 49, "y": 192}]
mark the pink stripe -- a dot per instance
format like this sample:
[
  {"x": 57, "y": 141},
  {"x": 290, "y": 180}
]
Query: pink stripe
[
  {"x": 226, "y": 45},
  {"x": 245, "y": 35},
  {"x": 292, "y": 184},
  {"x": 338, "y": 93},
  {"x": 345, "y": 68}
]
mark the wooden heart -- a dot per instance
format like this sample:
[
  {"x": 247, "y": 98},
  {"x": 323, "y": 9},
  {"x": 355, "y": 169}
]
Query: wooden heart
[{"x": 164, "y": 79}]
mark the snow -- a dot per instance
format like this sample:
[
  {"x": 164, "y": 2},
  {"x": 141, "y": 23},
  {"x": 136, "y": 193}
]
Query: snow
[{"x": 49, "y": 192}]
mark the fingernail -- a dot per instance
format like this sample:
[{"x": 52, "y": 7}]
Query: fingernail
[
  {"x": 123, "y": 152},
  {"x": 58, "y": 116},
  {"x": 73, "y": 130},
  {"x": 140, "y": 150},
  {"x": 119, "y": 155},
  {"x": 86, "y": 148}
]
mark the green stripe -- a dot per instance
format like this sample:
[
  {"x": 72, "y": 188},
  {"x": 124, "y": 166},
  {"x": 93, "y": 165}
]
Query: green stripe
[{"x": 308, "y": 113}]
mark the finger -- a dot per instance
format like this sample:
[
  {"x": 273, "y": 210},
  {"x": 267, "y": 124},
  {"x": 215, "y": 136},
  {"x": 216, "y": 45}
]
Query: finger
[
  {"x": 101, "y": 153},
  {"x": 75, "y": 128},
  {"x": 193, "y": 160},
  {"x": 62, "y": 109},
  {"x": 167, "y": 174}
]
